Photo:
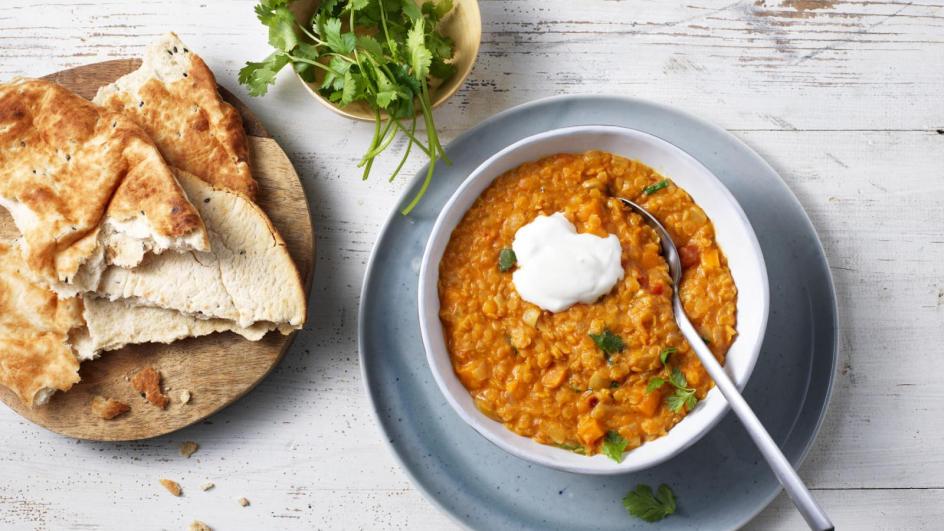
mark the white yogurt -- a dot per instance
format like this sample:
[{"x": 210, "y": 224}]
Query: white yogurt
[{"x": 558, "y": 268}]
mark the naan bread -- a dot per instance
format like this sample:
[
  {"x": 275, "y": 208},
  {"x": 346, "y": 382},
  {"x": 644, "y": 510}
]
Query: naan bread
[
  {"x": 85, "y": 187},
  {"x": 36, "y": 358},
  {"x": 247, "y": 283},
  {"x": 173, "y": 96},
  {"x": 115, "y": 324}
]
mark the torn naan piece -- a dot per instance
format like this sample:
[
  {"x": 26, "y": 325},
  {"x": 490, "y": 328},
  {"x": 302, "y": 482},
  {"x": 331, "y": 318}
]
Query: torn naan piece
[
  {"x": 247, "y": 283},
  {"x": 174, "y": 97},
  {"x": 86, "y": 187},
  {"x": 36, "y": 327},
  {"x": 115, "y": 324}
]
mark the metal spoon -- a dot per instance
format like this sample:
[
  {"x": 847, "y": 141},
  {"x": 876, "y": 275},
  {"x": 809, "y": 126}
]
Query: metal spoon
[{"x": 811, "y": 511}]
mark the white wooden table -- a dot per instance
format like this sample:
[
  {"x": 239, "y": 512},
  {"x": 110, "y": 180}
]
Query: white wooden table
[{"x": 844, "y": 98}]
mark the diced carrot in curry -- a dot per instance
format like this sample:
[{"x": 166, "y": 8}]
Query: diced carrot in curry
[
  {"x": 650, "y": 403},
  {"x": 589, "y": 431}
]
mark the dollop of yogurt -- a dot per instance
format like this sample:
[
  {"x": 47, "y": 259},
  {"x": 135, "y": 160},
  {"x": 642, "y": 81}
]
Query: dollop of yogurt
[{"x": 558, "y": 268}]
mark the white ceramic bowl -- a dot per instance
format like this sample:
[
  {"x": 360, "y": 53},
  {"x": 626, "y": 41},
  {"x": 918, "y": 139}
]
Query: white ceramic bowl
[{"x": 733, "y": 232}]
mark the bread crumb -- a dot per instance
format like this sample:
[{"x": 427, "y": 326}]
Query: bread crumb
[
  {"x": 197, "y": 525},
  {"x": 172, "y": 487},
  {"x": 244, "y": 502},
  {"x": 188, "y": 448},
  {"x": 207, "y": 486},
  {"x": 185, "y": 397},
  {"x": 108, "y": 408},
  {"x": 148, "y": 382}
]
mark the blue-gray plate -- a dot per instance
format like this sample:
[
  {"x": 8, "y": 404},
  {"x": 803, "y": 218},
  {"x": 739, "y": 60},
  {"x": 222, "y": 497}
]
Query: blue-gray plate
[{"x": 721, "y": 482}]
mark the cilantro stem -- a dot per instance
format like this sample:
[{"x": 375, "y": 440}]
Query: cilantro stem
[
  {"x": 314, "y": 39},
  {"x": 383, "y": 23},
  {"x": 308, "y": 61},
  {"x": 373, "y": 143},
  {"x": 412, "y": 136},
  {"x": 409, "y": 146},
  {"x": 419, "y": 195},
  {"x": 386, "y": 138}
]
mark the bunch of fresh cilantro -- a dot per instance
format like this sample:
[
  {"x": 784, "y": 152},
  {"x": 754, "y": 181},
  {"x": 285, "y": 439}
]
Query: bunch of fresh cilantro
[{"x": 383, "y": 53}]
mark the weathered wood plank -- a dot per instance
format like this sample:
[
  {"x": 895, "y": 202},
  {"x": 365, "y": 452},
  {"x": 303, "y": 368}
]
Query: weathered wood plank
[{"x": 842, "y": 97}]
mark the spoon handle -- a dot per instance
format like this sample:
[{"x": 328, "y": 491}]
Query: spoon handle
[{"x": 813, "y": 514}]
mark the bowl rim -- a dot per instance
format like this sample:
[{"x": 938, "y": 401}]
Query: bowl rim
[
  {"x": 488, "y": 428},
  {"x": 441, "y": 98}
]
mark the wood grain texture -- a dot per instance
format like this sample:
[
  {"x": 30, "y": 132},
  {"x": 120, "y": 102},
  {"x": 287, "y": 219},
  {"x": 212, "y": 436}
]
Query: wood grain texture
[
  {"x": 215, "y": 369},
  {"x": 842, "y": 97}
]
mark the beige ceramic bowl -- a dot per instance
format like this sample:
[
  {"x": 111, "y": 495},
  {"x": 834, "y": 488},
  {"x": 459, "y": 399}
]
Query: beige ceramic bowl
[{"x": 463, "y": 24}]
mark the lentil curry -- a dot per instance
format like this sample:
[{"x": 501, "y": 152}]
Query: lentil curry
[{"x": 612, "y": 374}]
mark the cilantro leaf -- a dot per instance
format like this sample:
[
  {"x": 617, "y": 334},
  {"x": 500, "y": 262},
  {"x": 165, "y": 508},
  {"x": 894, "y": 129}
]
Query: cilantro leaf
[
  {"x": 646, "y": 505},
  {"x": 614, "y": 445},
  {"x": 370, "y": 45},
  {"x": 305, "y": 70},
  {"x": 342, "y": 43},
  {"x": 386, "y": 91},
  {"x": 334, "y": 78},
  {"x": 675, "y": 402},
  {"x": 506, "y": 260},
  {"x": 349, "y": 90},
  {"x": 281, "y": 24},
  {"x": 357, "y": 5},
  {"x": 420, "y": 56},
  {"x": 608, "y": 342},
  {"x": 441, "y": 70},
  {"x": 436, "y": 11},
  {"x": 411, "y": 10},
  {"x": 684, "y": 396},
  {"x": 664, "y": 355},
  {"x": 654, "y": 384},
  {"x": 258, "y": 76}
]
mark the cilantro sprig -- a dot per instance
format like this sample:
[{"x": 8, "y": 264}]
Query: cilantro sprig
[
  {"x": 684, "y": 396},
  {"x": 650, "y": 506},
  {"x": 383, "y": 53},
  {"x": 608, "y": 342},
  {"x": 614, "y": 445}
]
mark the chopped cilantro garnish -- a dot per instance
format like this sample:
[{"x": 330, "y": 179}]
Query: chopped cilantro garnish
[
  {"x": 646, "y": 505},
  {"x": 608, "y": 342},
  {"x": 677, "y": 379},
  {"x": 614, "y": 384},
  {"x": 653, "y": 188},
  {"x": 684, "y": 395},
  {"x": 664, "y": 355},
  {"x": 614, "y": 445},
  {"x": 654, "y": 384},
  {"x": 506, "y": 260}
]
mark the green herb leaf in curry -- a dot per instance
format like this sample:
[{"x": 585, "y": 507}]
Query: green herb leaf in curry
[{"x": 614, "y": 445}]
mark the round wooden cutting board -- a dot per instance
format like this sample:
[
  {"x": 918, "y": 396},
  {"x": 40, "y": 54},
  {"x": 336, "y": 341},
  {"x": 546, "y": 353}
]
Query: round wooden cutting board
[{"x": 215, "y": 369}]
